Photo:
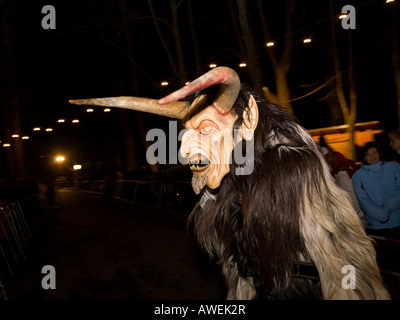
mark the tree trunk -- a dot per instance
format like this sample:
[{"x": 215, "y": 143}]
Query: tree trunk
[
  {"x": 178, "y": 43},
  {"x": 349, "y": 108},
  {"x": 251, "y": 54},
  {"x": 395, "y": 55},
  {"x": 282, "y": 64},
  {"x": 10, "y": 100}
]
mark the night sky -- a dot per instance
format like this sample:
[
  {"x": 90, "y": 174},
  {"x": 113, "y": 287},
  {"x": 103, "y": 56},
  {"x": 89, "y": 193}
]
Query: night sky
[{"x": 86, "y": 56}]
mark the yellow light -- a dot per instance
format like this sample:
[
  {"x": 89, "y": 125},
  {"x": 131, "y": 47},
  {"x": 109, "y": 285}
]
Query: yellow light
[
  {"x": 308, "y": 40},
  {"x": 36, "y": 129},
  {"x": 107, "y": 110},
  {"x": 6, "y": 145},
  {"x": 89, "y": 110},
  {"x": 77, "y": 167},
  {"x": 342, "y": 16},
  {"x": 60, "y": 159},
  {"x": 388, "y": 1},
  {"x": 15, "y": 136},
  {"x": 164, "y": 83},
  {"x": 75, "y": 121},
  {"x": 270, "y": 44},
  {"x": 186, "y": 83},
  {"x": 212, "y": 65},
  {"x": 49, "y": 129},
  {"x": 61, "y": 120},
  {"x": 25, "y": 138},
  {"x": 242, "y": 65}
]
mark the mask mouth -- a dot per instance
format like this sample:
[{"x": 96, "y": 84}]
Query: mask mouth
[{"x": 198, "y": 163}]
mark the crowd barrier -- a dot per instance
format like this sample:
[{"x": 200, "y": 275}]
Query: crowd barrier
[
  {"x": 17, "y": 220},
  {"x": 172, "y": 196}
]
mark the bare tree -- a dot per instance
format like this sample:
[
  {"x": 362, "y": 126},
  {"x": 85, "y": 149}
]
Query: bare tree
[
  {"x": 348, "y": 105},
  {"x": 254, "y": 67},
  {"x": 395, "y": 54},
  {"x": 177, "y": 60},
  {"x": 281, "y": 63},
  {"x": 10, "y": 89}
]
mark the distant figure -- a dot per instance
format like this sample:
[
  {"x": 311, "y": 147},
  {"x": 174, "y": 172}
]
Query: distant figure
[
  {"x": 342, "y": 170},
  {"x": 377, "y": 186},
  {"x": 394, "y": 137}
]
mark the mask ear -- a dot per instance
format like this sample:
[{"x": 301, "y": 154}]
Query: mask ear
[{"x": 250, "y": 119}]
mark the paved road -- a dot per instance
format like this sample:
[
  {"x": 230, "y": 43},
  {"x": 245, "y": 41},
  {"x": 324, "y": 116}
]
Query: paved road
[{"x": 106, "y": 249}]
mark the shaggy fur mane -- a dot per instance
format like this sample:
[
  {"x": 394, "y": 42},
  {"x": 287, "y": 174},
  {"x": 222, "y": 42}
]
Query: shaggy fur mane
[{"x": 287, "y": 211}]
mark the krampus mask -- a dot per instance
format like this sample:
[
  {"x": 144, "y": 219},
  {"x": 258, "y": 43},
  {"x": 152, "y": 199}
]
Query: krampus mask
[{"x": 269, "y": 225}]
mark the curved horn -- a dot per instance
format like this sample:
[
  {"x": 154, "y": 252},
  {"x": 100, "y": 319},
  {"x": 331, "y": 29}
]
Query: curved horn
[
  {"x": 174, "y": 109},
  {"x": 227, "y": 93}
]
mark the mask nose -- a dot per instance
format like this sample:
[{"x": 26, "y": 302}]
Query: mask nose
[{"x": 187, "y": 142}]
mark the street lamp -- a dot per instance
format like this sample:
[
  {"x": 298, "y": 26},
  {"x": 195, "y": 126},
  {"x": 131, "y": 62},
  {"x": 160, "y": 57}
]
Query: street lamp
[
  {"x": 60, "y": 159},
  {"x": 76, "y": 168}
]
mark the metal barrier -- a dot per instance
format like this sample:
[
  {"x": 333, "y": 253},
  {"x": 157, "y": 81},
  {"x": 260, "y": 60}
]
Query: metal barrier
[
  {"x": 389, "y": 253},
  {"x": 17, "y": 220},
  {"x": 171, "y": 196}
]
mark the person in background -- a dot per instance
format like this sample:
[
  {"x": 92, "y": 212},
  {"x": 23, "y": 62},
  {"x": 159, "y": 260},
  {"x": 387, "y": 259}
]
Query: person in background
[
  {"x": 377, "y": 186},
  {"x": 394, "y": 137},
  {"x": 342, "y": 170}
]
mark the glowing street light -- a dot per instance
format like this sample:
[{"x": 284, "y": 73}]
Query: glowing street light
[
  {"x": 342, "y": 16},
  {"x": 25, "y": 138},
  {"x": 388, "y": 1},
  {"x": 37, "y": 129},
  {"x": 165, "y": 83},
  {"x": 243, "y": 65},
  {"x": 107, "y": 110},
  {"x": 6, "y": 145},
  {"x": 49, "y": 129},
  {"x": 77, "y": 167},
  {"x": 270, "y": 44},
  {"x": 212, "y": 65},
  {"x": 60, "y": 159},
  {"x": 61, "y": 120},
  {"x": 307, "y": 40},
  {"x": 75, "y": 121},
  {"x": 15, "y": 136},
  {"x": 89, "y": 110}
]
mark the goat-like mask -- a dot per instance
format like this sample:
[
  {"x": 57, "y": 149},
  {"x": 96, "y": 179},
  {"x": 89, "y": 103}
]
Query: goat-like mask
[{"x": 208, "y": 143}]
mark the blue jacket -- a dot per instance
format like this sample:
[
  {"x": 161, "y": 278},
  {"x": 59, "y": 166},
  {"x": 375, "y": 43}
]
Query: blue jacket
[{"x": 377, "y": 188}]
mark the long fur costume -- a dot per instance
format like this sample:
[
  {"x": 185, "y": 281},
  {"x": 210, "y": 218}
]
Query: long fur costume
[{"x": 288, "y": 210}]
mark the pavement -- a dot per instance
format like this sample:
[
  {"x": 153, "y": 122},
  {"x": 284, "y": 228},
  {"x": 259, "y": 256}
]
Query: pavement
[{"x": 106, "y": 249}]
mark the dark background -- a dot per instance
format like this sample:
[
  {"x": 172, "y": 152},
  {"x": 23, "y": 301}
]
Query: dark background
[{"x": 99, "y": 50}]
